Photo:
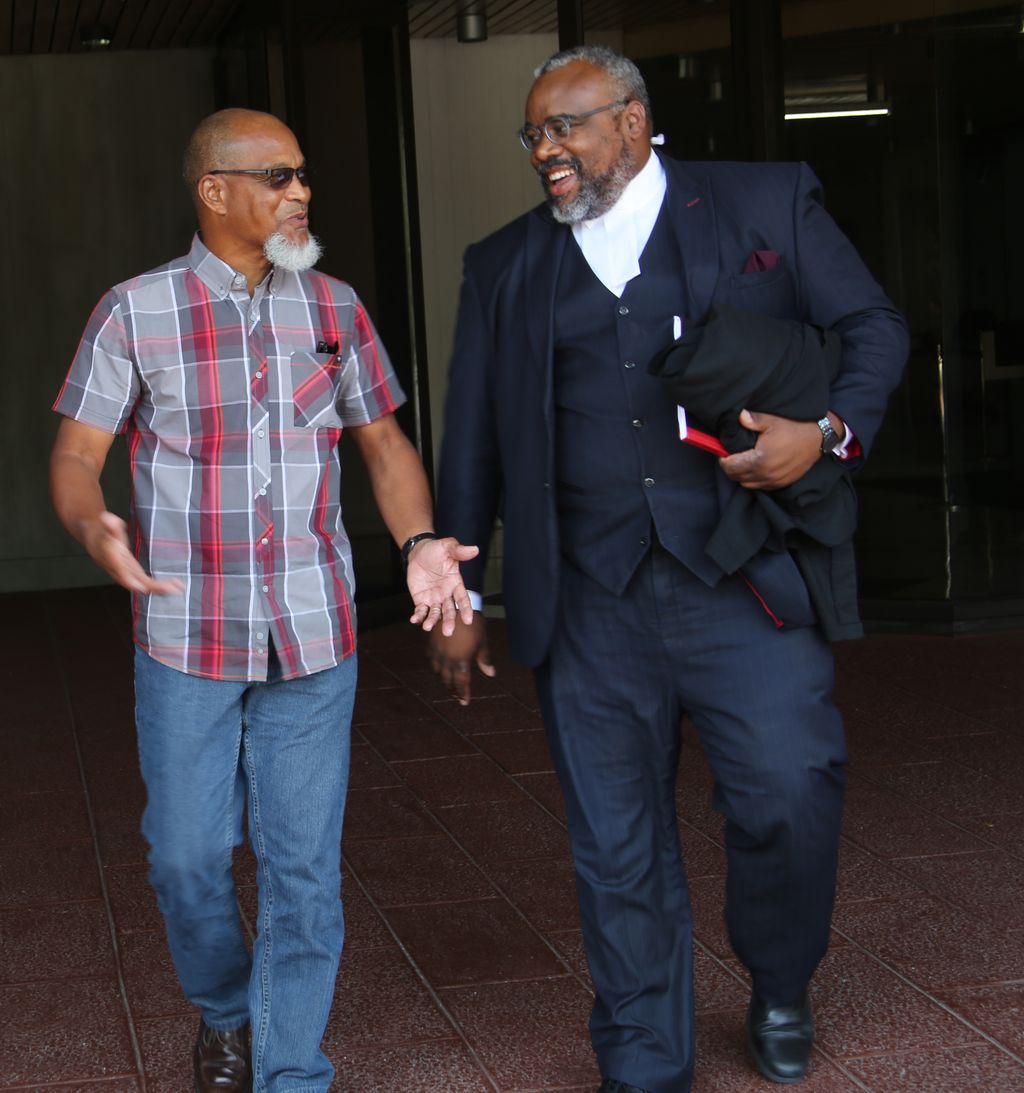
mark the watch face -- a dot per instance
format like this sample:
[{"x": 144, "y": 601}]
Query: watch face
[{"x": 829, "y": 437}]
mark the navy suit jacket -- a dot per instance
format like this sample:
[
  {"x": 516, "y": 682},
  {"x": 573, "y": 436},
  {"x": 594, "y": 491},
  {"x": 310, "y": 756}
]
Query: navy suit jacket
[{"x": 497, "y": 455}]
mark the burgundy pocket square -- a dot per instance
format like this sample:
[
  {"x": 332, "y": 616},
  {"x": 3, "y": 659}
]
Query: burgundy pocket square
[{"x": 761, "y": 260}]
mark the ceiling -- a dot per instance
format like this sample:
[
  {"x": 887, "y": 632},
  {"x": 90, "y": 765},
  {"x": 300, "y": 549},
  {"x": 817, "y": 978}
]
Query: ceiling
[
  {"x": 70, "y": 26},
  {"x": 67, "y": 26},
  {"x": 436, "y": 18}
]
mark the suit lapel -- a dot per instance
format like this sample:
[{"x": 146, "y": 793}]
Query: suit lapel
[
  {"x": 545, "y": 245},
  {"x": 693, "y": 220}
]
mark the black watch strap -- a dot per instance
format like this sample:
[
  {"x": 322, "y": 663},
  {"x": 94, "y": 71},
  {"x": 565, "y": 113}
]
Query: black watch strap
[{"x": 413, "y": 540}]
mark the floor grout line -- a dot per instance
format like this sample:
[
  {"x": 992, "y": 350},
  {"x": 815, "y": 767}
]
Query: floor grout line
[
  {"x": 934, "y": 999},
  {"x": 433, "y": 813},
  {"x": 429, "y": 987},
  {"x": 105, "y": 893}
]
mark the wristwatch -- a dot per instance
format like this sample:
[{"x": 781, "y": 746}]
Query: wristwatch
[
  {"x": 829, "y": 437},
  {"x": 409, "y": 543}
]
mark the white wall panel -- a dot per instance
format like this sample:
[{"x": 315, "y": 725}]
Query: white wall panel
[{"x": 473, "y": 174}]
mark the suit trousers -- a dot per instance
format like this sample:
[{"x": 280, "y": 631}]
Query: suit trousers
[{"x": 621, "y": 672}]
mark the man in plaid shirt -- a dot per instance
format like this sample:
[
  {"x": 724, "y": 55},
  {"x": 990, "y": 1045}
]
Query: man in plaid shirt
[{"x": 232, "y": 371}]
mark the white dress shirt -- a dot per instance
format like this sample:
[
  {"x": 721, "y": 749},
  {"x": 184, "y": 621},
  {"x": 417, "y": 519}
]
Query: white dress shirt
[{"x": 613, "y": 242}]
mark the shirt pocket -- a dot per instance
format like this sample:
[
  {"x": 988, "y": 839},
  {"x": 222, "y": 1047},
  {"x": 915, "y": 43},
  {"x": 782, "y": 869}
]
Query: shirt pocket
[{"x": 316, "y": 386}]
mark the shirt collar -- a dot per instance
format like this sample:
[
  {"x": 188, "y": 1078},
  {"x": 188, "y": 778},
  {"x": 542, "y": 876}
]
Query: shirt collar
[
  {"x": 647, "y": 185},
  {"x": 218, "y": 276}
]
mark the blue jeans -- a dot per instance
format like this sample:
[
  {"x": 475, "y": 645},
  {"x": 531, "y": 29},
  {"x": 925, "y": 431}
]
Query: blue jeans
[{"x": 290, "y": 739}]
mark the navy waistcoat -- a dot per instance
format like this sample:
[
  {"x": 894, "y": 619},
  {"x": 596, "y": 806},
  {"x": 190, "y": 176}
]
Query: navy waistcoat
[{"x": 623, "y": 474}]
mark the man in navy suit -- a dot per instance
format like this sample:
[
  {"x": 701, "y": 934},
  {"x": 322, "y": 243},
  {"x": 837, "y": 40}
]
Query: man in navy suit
[{"x": 554, "y": 423}]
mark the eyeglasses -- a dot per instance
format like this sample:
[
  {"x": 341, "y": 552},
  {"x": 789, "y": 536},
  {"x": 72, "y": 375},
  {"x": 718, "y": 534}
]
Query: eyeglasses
[
  {"x": 558, "y": 127},
  {"x": 277, "y": 178}
]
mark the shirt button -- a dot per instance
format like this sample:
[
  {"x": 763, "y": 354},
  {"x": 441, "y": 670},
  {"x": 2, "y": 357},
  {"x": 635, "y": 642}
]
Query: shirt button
[
  {"x": 259, "y": 634},
  {"x": 629, "y": 364},
  {"x": 259, "y": 375},
  {"x": 623, "y": 310},
  {"x": 263, "y": 493},
  {"x": 638, "y": 423},
  {"x": 266, "y": 588},
  {"x": 648, "y": 482},
  {"x": 259, "y": 433},
  {"x": 264, "y": 541}
]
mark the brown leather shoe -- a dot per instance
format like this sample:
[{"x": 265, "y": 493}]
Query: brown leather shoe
[{"x": 221, "y": 1060}]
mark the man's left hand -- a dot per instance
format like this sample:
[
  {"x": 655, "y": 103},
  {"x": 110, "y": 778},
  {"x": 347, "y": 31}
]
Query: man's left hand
[
  {"x": 785, "y": 450},
  {"x": 435, "y": 584}
]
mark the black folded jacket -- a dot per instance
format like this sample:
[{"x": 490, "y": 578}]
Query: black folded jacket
[{"x": 741, "y": 359}]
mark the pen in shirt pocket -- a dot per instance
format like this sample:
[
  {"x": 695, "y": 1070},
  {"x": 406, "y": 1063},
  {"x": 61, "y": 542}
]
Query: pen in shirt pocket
[{"x": 677, "y": 327}]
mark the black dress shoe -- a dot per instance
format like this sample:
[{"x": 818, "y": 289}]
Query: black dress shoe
[
  {"x": 780, "y": 1039},
  {"x": 610, "y": 1085},
  {"x": 221, "y": 1060}
]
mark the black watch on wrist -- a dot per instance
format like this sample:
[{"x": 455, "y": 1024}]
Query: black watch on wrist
[
  {"x": 413, "y": 540},
  {"x": 829, "y": 437}
]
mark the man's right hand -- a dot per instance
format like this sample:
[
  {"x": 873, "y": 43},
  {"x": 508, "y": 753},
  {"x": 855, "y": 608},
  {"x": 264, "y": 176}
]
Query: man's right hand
[
  {"x": 79, "y": 454},
  {"x": 453, "y": 657},
  {"x": 107, "y": 544}
]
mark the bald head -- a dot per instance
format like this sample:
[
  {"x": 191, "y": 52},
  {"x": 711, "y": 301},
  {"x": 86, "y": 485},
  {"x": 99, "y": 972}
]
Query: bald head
[{"x": 214, "y": 144}]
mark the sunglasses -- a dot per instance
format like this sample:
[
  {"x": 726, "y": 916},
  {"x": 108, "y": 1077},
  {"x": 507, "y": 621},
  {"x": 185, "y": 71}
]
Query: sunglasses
[{"x": 277, "y": 178}]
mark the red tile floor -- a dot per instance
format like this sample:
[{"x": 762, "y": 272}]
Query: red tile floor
[{"x": 463, "y": 968}]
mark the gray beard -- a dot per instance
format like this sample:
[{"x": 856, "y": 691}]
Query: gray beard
[
  {"x": 294, "y": 257},
  {"x": 596, "y": 194}
]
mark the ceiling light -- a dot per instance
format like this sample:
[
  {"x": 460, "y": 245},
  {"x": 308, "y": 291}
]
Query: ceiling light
[
  {"x": 853, "y": 95},
  {"x": 813, "y": 115},
  {"x": 471, "y": 22},
  {"x": 95, "y": 37}
]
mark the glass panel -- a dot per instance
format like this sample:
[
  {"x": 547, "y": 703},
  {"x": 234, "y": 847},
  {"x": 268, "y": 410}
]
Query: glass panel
[
  {"x": 928, "y": 195},
  {"x": 684, "y": 53},
  {"x": 880, "y": 176},
  {"x": 927, "y": 187},
  {"x": 980, "y": 111}
]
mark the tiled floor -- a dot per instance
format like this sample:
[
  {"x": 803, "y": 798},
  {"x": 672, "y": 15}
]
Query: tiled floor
[{"x": 463, "y": 969}]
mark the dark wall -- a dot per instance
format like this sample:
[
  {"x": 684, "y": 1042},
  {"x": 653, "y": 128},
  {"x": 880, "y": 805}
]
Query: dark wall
[{"x": 94, "y": 196}]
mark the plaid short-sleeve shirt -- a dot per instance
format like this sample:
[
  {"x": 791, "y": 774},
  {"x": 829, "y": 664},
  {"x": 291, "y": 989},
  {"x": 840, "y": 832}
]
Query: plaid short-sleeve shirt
[{"x": 233, "y": 408}]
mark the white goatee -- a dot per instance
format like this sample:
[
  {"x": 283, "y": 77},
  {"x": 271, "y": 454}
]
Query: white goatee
[{"x": 294, "y": 257}]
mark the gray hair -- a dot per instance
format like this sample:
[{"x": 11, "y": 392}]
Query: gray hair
[{"x": 621, "y": 69}]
